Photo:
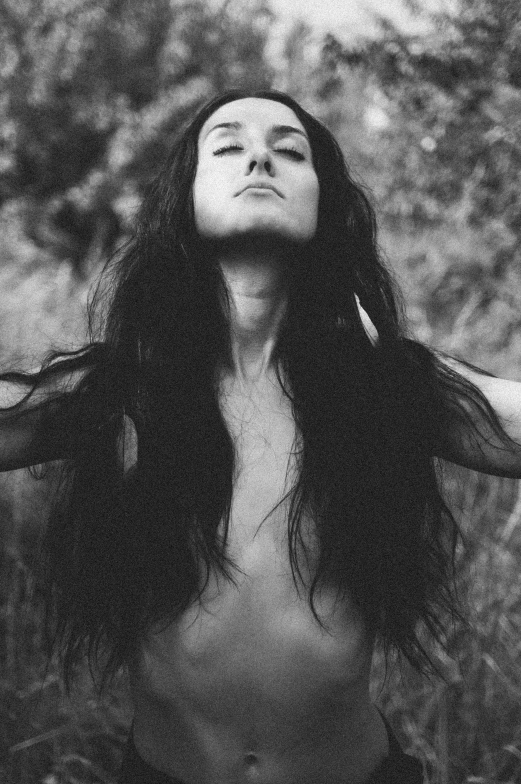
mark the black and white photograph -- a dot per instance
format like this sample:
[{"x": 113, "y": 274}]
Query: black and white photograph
[{"x": 260, "y": 392}]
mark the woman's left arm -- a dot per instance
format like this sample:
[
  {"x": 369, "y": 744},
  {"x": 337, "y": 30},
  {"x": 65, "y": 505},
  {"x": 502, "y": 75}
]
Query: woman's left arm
[
  {"x": 457, "y": 441},
  {"x": 486, "y": 453}
]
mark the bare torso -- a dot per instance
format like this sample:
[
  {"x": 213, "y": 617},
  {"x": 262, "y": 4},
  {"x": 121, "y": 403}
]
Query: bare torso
[{"x": 247, "y": 687}]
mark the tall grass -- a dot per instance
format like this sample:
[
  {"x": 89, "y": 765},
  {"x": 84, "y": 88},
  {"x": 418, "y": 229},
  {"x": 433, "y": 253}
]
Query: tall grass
[
  {"x": 467, "y": 726},
  {"x": 45, "y": 735}
]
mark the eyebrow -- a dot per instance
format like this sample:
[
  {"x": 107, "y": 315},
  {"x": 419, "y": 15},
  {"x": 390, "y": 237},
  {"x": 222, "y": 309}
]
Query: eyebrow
[{"x": 279, "y": 130}]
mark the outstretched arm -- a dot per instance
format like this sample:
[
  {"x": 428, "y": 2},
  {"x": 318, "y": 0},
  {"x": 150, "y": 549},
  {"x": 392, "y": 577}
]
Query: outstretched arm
[
  {"x": 35, "y": 432},
  {"x": 46, "y": 425},
  {"x": 459, "y": 444}
]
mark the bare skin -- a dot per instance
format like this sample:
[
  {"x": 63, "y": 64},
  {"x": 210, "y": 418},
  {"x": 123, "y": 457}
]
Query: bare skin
[{"x": 246, "y": 686}]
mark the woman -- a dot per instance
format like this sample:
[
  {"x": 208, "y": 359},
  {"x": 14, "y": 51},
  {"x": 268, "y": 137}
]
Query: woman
[{"x": 249, "y": 500}]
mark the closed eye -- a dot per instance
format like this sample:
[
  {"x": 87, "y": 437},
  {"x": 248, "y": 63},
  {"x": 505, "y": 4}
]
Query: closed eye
[
  {"x": 291, "y": 151},
  {"x": 221, "y": 150}
]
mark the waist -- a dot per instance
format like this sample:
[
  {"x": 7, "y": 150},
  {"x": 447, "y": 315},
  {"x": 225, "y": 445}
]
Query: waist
[
  {"x": 270, "y": 747},
  {"x": 396, "y": 767},
  {"x": 247, "y": 687}
]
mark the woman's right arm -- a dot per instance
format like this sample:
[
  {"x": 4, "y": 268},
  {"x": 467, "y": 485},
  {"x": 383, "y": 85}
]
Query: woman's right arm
[{"x": 37, "y": 431}]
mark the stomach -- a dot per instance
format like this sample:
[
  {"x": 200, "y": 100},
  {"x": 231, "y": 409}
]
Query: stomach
[{"x": 247, "y": 686}]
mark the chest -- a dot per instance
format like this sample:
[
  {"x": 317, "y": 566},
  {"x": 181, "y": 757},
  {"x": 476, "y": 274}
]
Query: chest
[
  {"x": 245, "y": 634},
  {"x": 265, "y": 440}
]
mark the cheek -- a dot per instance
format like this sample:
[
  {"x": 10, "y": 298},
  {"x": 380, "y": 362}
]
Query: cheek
[
  {"x": 198, "y": 191},
  {"x": 316, "y": 197},
  {"x": 204, "y": 202}
]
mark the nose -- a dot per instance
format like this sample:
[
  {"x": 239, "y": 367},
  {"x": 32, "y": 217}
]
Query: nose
[{"x": 260, "y": 160}]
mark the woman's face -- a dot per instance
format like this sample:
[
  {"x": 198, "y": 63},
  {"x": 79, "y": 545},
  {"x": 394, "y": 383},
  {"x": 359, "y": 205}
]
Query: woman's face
[{"x": 255, "y": 174}]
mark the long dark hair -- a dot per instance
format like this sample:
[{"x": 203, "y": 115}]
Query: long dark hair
[{"x": 124, "y": 551}]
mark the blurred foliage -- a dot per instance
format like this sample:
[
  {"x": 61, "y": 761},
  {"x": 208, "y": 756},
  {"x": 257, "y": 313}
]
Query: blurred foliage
[
  {"x": 92, "y": 94},
  {"x": 456, "y": 105},
  {"x": 441, "y": 151}
]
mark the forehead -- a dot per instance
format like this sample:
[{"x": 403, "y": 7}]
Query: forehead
[{"x": 261, "y": 112}]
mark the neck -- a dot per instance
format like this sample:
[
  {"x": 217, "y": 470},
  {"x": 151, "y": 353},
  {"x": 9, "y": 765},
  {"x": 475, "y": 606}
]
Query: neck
[{"x": 257, "y": 306}]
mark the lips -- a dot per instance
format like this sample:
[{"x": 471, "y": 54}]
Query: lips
[{"x": 263, "y": 186}]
